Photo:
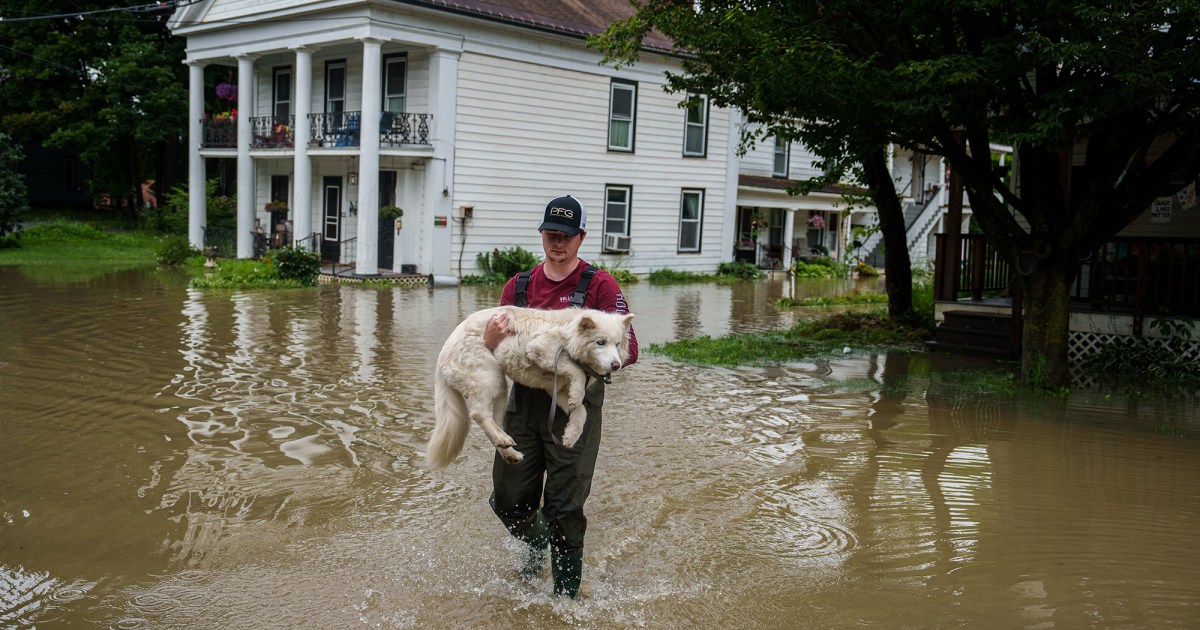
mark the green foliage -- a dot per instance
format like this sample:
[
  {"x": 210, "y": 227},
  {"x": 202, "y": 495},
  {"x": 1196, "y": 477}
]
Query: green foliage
[
  {"x": 296, "y": 263},
  {"x": 58, "y": 242},
  {"x": 174, "y": 250},
  {"x": 624, "y": 277},
  {"x": 745, "y": 270},
  {"x": 391, "y": 212},
  {"x": 1161, "y": 359},
  {"x": 819, "y": 338},
  {"x": 500, "y": 265},
  {"x": 667, "y": 276},
  {"x": 243, "y": 274},
  {"x": 13, "y": 194},
  {"x": 820, "y": 267},
  {"x": 171, "y": 216},
  {"x": 111, "y": 86},
  {"x": 866, "y": 271},
  {"x": 853, "y": 299}
]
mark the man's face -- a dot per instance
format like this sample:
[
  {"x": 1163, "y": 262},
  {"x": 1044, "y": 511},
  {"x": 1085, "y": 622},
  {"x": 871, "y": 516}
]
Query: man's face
[{"x": 559, "y": 247}]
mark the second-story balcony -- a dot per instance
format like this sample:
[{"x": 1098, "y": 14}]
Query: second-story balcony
[
  {"x": 342, "y": 129},
  {"x": 326, "y": 130}
]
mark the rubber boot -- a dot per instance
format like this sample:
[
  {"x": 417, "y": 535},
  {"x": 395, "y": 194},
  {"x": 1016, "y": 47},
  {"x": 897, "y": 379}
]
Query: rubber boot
[
  {"x": 568, "y": 572},
  {"x": 537, "y": 540}
]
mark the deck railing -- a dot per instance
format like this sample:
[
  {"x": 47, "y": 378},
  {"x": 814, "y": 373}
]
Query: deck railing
[
  {"x": 325, "y": 130},
  {"x": 272, "y": 132},
  {"x": 1135, "y": 275}
]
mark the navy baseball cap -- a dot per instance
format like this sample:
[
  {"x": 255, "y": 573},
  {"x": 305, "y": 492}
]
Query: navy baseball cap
[{"x": 565, "y": 214}]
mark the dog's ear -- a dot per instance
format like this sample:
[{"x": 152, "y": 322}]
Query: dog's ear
[
  {"x": 625, "y": 320},
  {"x": 586, "y": 322}
]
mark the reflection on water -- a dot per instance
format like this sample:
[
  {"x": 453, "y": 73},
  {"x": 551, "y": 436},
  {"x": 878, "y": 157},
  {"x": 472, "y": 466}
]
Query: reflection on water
[{"x": 186, "y": 459}]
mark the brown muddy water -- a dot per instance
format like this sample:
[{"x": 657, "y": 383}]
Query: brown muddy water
[{"x": 181, "y": 459}]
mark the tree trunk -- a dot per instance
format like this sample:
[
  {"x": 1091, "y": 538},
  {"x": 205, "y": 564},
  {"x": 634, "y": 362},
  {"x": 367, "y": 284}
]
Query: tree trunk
[
  {"x": 897, "y": 266},
  {"x": 1047, "y": 299}
]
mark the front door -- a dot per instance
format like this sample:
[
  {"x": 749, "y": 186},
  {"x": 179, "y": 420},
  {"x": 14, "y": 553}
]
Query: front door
[
  {"x": 331, "y": 229},
  {"x": 387, "y": 226}
]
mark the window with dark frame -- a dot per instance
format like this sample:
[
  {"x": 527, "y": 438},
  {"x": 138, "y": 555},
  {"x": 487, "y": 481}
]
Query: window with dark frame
[
  {"x": 691, "y": 220},
  {"x": 622, "y": 111},
  {"x": 695, "y": 126},
  {"x": 335, "y": 87},
  {"x": 617, "y": 201},
  {"x": 782, "y": 158},
  {"x": 281, "y": 94},
  {"x": 395, "y": 68}
]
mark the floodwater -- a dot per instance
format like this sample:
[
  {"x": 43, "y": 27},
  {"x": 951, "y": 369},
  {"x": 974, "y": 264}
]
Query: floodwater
[{"x": 180, "y": 459}]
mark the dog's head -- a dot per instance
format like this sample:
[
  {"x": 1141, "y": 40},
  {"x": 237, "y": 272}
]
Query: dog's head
[{"x": 600, "y": 340}]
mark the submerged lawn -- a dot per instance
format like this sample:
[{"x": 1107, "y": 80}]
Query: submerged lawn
[
  {"x": 818, "y": 338},
  {"x": 65, "y": 243}
]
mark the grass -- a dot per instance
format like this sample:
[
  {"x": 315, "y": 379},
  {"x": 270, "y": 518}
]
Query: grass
[
  {"x": 806, "y": 340},
  {"x": 59, "y": 242},
  {"x": 851, "y": 299}
]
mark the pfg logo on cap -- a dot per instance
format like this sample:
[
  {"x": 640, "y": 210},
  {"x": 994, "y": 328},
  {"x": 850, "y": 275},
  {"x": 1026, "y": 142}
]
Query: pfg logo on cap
[{"x": 566, "y": 213}]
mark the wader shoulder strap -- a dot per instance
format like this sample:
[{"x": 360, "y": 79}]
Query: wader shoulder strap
[
  {"x": 581, "y": 291},
  {"x": 519, "y": 298}
]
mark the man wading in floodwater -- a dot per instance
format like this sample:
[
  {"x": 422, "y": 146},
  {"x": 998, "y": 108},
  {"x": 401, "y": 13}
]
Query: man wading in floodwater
[{"x": 555, "y": 478}]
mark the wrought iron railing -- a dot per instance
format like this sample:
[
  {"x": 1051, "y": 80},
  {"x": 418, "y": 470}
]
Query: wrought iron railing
[
  {"x": 334, "y": 130},
  {"x": 347, "y": 257},
  {"x": 397, "y": 129},
  {"x": 272, "y": 132},
  {"x": 311, "y": 243},
  {"x": 343, "y": 129},
  {"x": 224, "y": 239},
  {"x": 218, "y": 133}
]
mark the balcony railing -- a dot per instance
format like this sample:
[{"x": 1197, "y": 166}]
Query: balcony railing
[
  {"x": 272, "y": 132},
  {"x": 219, "y": 133},
  {"x": 325, "y": 130},
  {"x": 342, "y": 129}
]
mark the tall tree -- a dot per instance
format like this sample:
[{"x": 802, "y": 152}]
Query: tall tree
[
  {"x": 1100, "y": 102},
  {"x": 105, "y": 78}
]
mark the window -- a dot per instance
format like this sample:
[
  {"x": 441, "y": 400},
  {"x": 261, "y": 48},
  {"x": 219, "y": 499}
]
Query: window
[
  {"x": 394, "y": 67},
  {"x": 281, "y": 94},
  {"x": 335, "y": 88},
  {"x": 691, "y": 215},
  {"x": 621, "y": 108},
  {"x": 616, "y": 209},
  {"x": 782, "y": 155},
  {"x": 695, "y": 126}
]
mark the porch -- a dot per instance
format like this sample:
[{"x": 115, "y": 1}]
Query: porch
[{"x": 1120, "y": 284}]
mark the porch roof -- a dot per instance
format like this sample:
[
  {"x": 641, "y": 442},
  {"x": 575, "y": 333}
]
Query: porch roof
[{"x": 781, "y": 183}]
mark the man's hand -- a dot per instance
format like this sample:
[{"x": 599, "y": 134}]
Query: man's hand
[{"x": 497, "y": 330}]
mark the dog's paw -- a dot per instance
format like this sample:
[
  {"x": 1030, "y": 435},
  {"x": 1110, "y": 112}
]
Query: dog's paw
[
  {"x": 510, "y": 454},
  {"x": 571, "y": 434}
]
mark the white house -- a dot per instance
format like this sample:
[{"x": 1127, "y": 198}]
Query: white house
[{"x": 486, "y": 111}]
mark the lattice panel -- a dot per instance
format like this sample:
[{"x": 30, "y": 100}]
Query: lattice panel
[{"x": 1080, "y": 345}]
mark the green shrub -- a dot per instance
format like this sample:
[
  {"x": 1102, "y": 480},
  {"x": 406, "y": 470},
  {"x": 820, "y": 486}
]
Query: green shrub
[
  {"x": 866, "y": 271},
  {"x": 746, "y": 270},
  {"x": 1165, "y": 359},
  {"x": 500, "y": 265},
  {"x": 297, "y": 263},
  {"x": 622, "y": 276},
  {"x": 670, "y": 275},
  {"x": 174, "y": 250},
  {"x": 14, "y": 196}
]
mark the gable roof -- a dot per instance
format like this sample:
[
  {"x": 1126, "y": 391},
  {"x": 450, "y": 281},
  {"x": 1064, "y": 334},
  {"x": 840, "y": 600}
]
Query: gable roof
[{"x": 572, "y": 17}]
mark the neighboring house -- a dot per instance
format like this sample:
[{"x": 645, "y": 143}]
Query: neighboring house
[
  {"x": 775, "y": 227},
  {"x": 485, "y": 111}
]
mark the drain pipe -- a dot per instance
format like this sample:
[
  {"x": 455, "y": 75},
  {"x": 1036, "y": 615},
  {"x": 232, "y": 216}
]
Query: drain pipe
[{"x": 466, "y": 214}]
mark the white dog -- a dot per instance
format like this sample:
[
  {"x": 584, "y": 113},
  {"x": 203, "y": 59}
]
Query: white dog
[{"x": 561, "y": 346}]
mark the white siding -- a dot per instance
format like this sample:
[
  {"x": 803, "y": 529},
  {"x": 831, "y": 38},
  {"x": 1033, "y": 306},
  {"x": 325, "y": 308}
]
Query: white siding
[{"x": 527, "y": 133}]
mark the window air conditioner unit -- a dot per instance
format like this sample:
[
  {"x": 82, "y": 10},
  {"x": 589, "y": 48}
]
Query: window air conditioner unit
[{"x": 616, "y": 243}]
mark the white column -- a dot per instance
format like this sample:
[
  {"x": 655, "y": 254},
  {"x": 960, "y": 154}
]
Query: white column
[
  {"x": 197, "y": 194},
  {"x": 245, "y": 166},
  {"x": 789, "y": 227},
  {"x": 302, "y": 211},
  {"x": 366, "y": 262},
  {"x": 729, "y": 233},
  {"x": 439, "y": 172}
]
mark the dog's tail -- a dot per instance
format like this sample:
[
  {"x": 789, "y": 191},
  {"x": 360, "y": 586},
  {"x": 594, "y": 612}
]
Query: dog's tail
[{"x": 450, "y": 428}]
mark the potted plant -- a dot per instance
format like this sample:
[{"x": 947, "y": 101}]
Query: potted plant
[
  {"x": 758, "y": 224},
  {"x": 392, "y": 212}
]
